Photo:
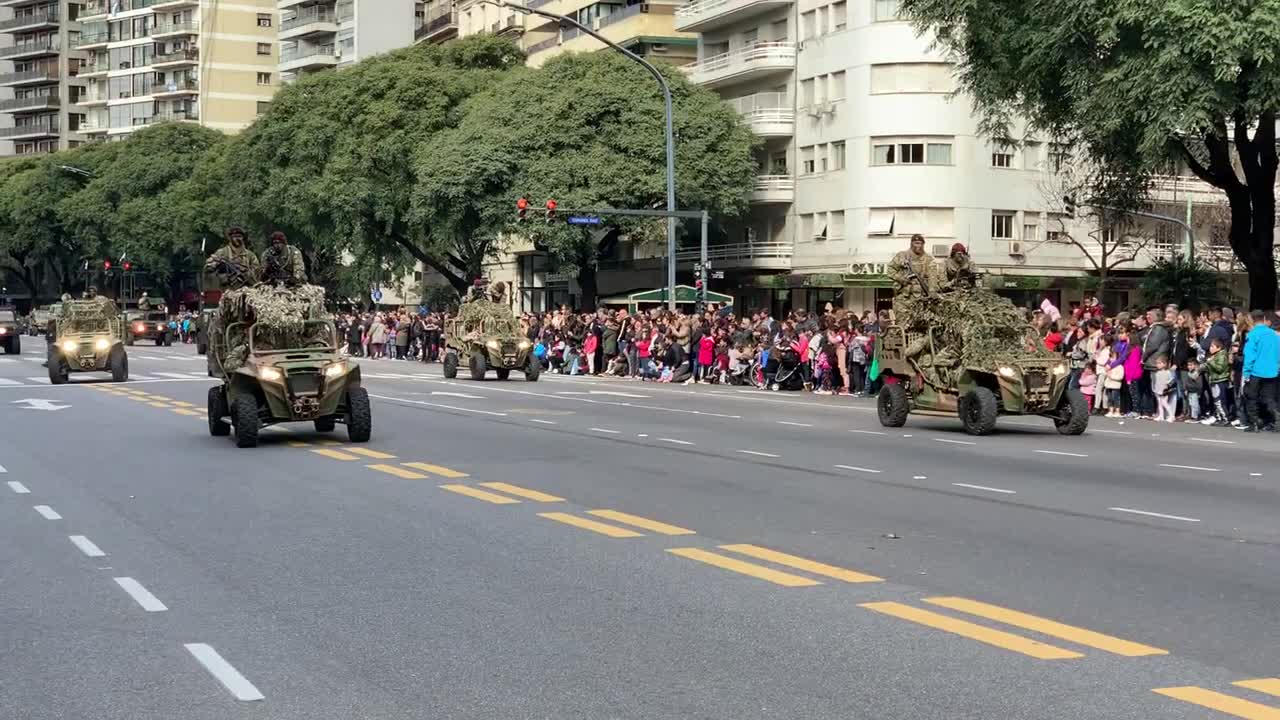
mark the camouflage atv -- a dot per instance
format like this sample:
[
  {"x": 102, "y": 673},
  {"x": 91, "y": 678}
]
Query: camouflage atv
[
  {"x": 272, "y": 376},
  {"x": 10, "y": 331},
  {"x": 1032, "y": 385},
  {"x": 87, "y": 336},
  {"x": 488, "y": 346}
]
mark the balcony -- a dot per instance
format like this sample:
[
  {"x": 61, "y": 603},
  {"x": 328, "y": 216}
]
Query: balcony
[
  {"x": 703, "y": 15},
  {"x": 169, "y": 30},
  {"x": 308, "y": 22},
  {"x": 93, "y": 127},
  {"x": 93, "y": 99},
  {"x": 160, "y": 5},
  {"x": 286, "y": 4},
  {"x": 28, "y": 50},
  {"x": 93, "y": 10},
  {"x": 510, "y": 26},
  {"x": 175, "y": 87},
  {"x": 189, "y": 56},
  {"x": 91, "y": 41},
  {"x": 440, "y": 25},
  {"x": 1180, "y": 188},
  {"x": 31, "y": 104},
  {"x": 47, "y": 127},
  {"x": 39, "y": 20},
  {"x": 751, "y": 63},
  {"x": 315, "y": 57},
  {"x": 758, "y": 256},
  {"x": 773, "y": 189},
  {"x": 30, "y": 77},
  {"x": 94, "y": 70},
  {"x": 767, "y": 114},
  {"x": 191, "y": 115}
]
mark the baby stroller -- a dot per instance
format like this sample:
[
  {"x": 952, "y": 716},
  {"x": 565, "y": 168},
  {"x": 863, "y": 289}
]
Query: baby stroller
[
  {"x": 743, "y": 372},
  {"x": 783, "y": 370}
]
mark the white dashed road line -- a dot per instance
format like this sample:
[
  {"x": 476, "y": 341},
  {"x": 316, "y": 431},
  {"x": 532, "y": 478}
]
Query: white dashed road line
[
  {"x": 954, "y": 442},
  {"x": 141, "y": 595},
  {"x": 606, "y": 430},
  {"x": 7, "y": 381},
  {"x": 1112, "y": 432},
  {"x": 985, "y": 488},
  {"x": 1211, "y": 440},
  {"x": 855, "y": 468},
  {"x": 222, "y": 670},
  {"x": 86, "y": 546},
  {"x": 794, "y": 424},
  {"x": 760, "y": 454},
  {"x": 2, "y": 470},
  {"x": 1059, "y": 452},
  {"x": 47, "y": 512},
  {"x": 18, "y": 487},
  {"x": 438, "y": 405},
  {"x": 541, "y": 422},
  {"x": 868, "y": 432},
  {"x": 677, "y": 442},
  {"x": 1154, "y": 514},
  {"x": 1190, "y": 467}
]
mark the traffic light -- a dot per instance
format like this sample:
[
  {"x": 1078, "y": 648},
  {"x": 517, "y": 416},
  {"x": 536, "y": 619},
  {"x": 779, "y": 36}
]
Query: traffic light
[
  {"x": 106, "y": 265},
  {"x": 551, "y": 211},
  {"x": 1070, "y": 204},
  {"x": 697, "y": 284},
  {"x": 521, "y": 206},
  {"x": 128, "y": 266}
]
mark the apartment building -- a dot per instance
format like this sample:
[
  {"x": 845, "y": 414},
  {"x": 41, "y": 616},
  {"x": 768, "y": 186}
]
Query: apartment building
[
  {"x": 863, "y": 145},
  {"x": 151, "y": 61},
  {"x": 321, "y": 34},
  {"x": 39, "y": 76}
]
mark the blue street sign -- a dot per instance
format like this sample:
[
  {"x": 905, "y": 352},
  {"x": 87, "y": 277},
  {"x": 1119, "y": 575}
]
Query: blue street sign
[
  {"x": 584, "y": 220},
  {"x": 376, "y": 295}
]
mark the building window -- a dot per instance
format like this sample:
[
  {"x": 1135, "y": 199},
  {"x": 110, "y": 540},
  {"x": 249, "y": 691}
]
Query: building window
[
  {"x": 806, "y": 92},
  {"x": 835, "y": 86},
  {"x": 1056, "y": 236},
  {"x": 886, "y": 10},
  {"x": 889, "y": 78},
  {"x": 822, "y": 158},
  {"x": 839, "y": 16},
  {"x": 910, "y": 153},
  {"x": 939, "y": 154},
  {"x": 1030, "y": 232},
  {"x": 263, "y": 107},
  {"x": 1059, "y": 156},
  {"x": 821, "y": 21},
  {"x": 806, "y": 160},
  {"x": 1002, "y": 157},
  {"x": 883, "y": 155},
  {"x": 807, "y": 26},
  {"x": 264, "y": 20},
  {"x": 931, "y": 222},
  {"x": 264, "y": 78},
  {"x": 837, "y": 155},
  {"x": 1002, "y": 225},
  {"x": 264, "y": 48},
  {"x": 835, "y": 224},
  {"x": 806, "y": 226}
]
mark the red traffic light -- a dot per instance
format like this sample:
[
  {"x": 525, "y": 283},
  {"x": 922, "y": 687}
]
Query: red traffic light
[
  {"x": 128, "y": 265},
  {"x": 551, "y": 205},
  {"x": 522, "y": 203},
  {"x": 106, "y": 264}
]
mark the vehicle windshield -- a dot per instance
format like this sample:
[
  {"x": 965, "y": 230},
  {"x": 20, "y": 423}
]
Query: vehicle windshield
[
  {"x": 84, "y": 326},
  {"x": 132, "y": 315},
  {"x": 7, "y": 316},
  {"x": 315, "y": 335},
  {"x": 157, "y": 317}
]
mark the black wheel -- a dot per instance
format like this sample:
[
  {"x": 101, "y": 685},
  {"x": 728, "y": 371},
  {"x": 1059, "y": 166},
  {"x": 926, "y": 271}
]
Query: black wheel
[
  {"x": 503, "y": 374},
  {"x": 218, "y": 426},
  {"x": 450, "y": 365},
  {"x": 892, "y": 405},
  {"x": 160, "y": 341},
  {"x": 13, "y": 345},
  {"x": 57, "y": 370},
  {"x": 1073, "y": 413},
  {"x": 359, "y": 416},
  {"x": 128, "y": 340},
  {"x": 532, "y": 370},
  {"x": 478, "y": 366},
  {"x": 119, "y": 363},
  {"x": 326, "y": 424},
  {"x": 978, "y": 411},
  {"x": 244, "y": 415}
]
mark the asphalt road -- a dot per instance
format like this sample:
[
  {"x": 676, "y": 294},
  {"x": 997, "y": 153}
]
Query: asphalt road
[{"x": 576, "y": 548}]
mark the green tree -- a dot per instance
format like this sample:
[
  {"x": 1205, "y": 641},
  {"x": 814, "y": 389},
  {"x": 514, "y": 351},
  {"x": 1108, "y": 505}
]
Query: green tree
[
  {"x": 586, "y": 130},
  {"x": 1135, "y": 83},
  {"x": 1188, "y": 283},
  {"x": 332, "y": 160}
]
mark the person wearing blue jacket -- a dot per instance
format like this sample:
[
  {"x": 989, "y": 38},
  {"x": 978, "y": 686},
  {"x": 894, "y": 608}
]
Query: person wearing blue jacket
[{"x": 1261, "y": 366}]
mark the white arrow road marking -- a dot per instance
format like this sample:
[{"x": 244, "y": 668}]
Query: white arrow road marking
[{"x": 39, "y": 404}]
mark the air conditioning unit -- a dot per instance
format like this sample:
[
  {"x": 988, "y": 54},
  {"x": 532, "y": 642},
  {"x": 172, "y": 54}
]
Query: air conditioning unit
[
  {"x": 941, "y": 251},
  {"x": 1015, "y": 249}
]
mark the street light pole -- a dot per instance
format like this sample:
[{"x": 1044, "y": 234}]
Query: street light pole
[{"x": 670, "y": 132}]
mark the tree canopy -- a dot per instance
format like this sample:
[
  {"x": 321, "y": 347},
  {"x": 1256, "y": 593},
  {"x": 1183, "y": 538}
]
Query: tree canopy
[{"x": 1135, "y": 84}]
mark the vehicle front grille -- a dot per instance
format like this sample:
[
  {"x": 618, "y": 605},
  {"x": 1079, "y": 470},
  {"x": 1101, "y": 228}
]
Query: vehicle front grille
[
  {"x": 304, "y": 382},
  {"x": 1035, "y": 380}
]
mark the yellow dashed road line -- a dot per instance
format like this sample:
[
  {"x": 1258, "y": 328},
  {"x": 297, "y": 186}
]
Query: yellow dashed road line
[
  {"x": 964, "y": 628},
  {"x": 526, "y": 493},
  {"x": 1228, "y": 704},
  {"x": 1080, "y": 636},
  {"x": 800, "y": 563},
  {"x": 397, "y": 471},
  {"x": 646, "y": 523},
  {"x": 443, "y": 472},
  {"x": 480, "y": 494},
  {"x": 596, "y": 527},
  {"x": 739, "y": 566}
]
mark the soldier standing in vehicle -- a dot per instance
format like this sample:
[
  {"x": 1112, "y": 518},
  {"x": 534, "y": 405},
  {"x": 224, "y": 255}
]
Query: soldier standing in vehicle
[
  {"x": 961, "y": 272},
  {"x": 282, "y": 262},
  {"x": 913, "y": 271},
  {"x": 234, "y": 264}
]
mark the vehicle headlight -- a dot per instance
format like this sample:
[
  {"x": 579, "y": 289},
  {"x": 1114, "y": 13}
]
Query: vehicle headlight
[
  {"x": 3, "y": 330},
  {"x": 493, "y": 345},
  {"x": 69, "y": 346},
  {"x": 1059, "y": 370},
  {"x": 139, "y": 327},
  {"x": 101, "y": 344},
  {"x": 270, "y": 374},
  {"x": 159, "y": 327},
  {"x": 524, "y": 345},
  {"x": 1008, "y": 372},
  {"x": 335, "y": 370}
]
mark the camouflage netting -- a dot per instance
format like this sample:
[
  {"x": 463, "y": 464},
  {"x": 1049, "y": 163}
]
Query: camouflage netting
[
  {"x": 985, "y": 328},
  {"x": 281, "y": 314},
  {"x": 86, "y": 316},
  {"x": 497, "y": 319}
]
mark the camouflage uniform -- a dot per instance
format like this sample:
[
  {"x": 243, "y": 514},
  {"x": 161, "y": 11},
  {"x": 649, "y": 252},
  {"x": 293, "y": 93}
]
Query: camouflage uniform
[
  {"x": 286, "y": 266},
  {"x": 900, "y": 271},
  {"x": 961, "y": 272},
  {"x": 233, "y": 256},
  {"x": 144, "y": 302}
]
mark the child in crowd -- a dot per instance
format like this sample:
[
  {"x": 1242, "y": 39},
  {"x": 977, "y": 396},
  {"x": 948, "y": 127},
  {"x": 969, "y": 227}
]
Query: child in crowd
[
  {"x": 1217, "y": 370},
  {"x": 1191, "y": 388},
  {"x": 1163, "y": 388},
  {"x": 1088, "y": 384},
  {"x": 722, "y": 362}
]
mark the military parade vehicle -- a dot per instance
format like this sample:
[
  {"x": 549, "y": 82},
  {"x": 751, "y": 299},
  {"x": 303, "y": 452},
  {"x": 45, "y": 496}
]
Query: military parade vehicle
[
  {"x": 150, "y": 325},
  {"x": 87, "y": 336},
  {"x": 277, "y": 354},
  {"x": 488, "y": 336},
  {"x": 10, "y": 331}
]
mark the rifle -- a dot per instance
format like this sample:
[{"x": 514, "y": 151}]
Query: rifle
[{"x": 913, "y": 275}]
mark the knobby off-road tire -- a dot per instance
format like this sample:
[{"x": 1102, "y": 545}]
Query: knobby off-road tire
[
  {"x": 532, "y": 370},
  {"x": 218, "y": 427},
  {"x": 978, "y": 411},
  {"x": 13, "y": 345},
  {"x": 58, "y": 373},
  {"x": 119, "y": 364},
  {"x": 244, "y": 415},
  {"x": 478, "y": 366},
  {"x": 891, "y": 405},
  {"x": 450, "y": 365},
  {"x": 359, "y": 416},
  {"x": 1073, "y": 413}
]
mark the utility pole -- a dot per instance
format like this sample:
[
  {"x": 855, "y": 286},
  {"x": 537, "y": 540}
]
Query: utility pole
[{"x": 670, "y": 131}]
